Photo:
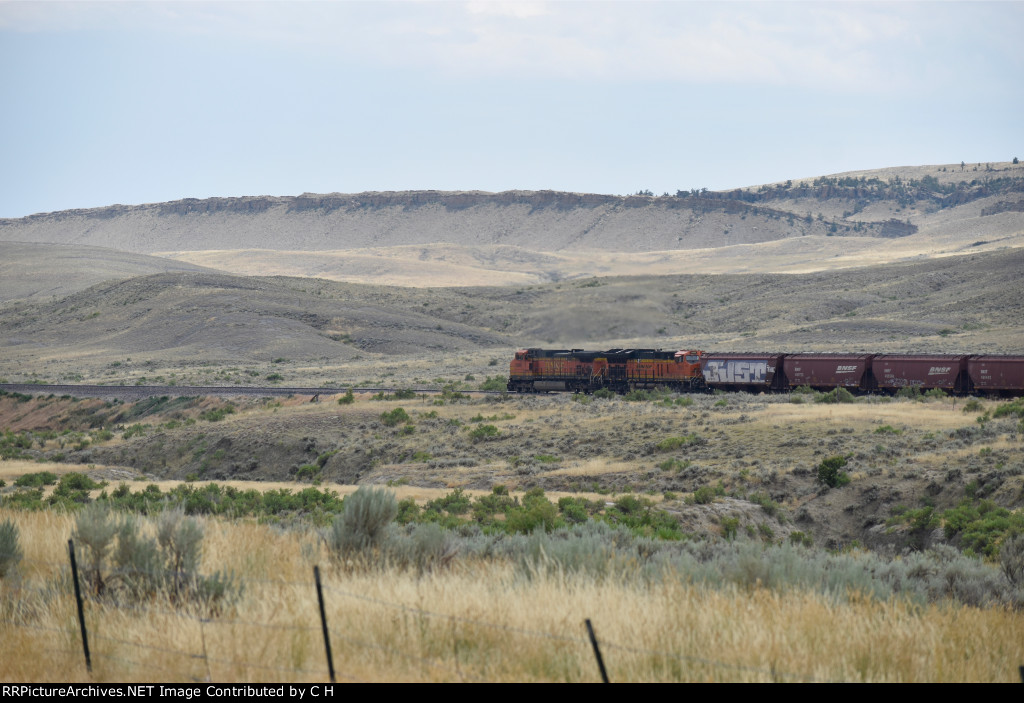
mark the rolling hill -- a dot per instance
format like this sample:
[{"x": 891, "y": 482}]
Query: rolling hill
[{"x": 431, "y": 238}]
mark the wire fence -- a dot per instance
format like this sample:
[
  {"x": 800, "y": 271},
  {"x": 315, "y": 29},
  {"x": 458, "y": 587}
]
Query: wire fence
[{"x": 166, "y": 657}]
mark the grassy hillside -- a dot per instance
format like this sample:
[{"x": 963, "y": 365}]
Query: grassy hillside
[
  {"x": 192, "y": 327},
  {"x": 39, "y": 271}
]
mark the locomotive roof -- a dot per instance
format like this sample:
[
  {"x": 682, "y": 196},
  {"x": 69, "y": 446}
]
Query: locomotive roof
[{"x": 611, "y": 354}]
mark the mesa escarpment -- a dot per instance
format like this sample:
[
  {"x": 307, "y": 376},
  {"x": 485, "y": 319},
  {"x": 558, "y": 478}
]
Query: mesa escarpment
[
  {"x": 537, "y": 220},
  {"x": 517, "y": 237}
]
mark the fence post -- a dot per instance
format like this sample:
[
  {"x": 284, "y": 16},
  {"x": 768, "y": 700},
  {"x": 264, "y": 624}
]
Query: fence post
[
  {"x": 597, "y": 651},
  {"x": 323, "y": 621},
  {"x": 81, "y": 611}
]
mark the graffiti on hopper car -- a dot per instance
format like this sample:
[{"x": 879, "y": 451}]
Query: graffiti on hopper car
[{"x": 735, "y": 371}]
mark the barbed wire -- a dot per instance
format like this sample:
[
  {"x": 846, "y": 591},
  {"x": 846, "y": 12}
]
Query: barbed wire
[
  {"x": 384, "y": 648},
  {"x": 713, "y": 662},
  {"x": 458, "y": 618},
  {"x": 147, "y": 667},
  {"x": 28, "y": 626},
  {"x": 150, "y": 647}
]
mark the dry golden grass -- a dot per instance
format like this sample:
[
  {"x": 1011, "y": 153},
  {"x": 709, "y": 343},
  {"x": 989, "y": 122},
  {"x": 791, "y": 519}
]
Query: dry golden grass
[
  {"x": 934, "y": 415},
  {"x": 477, "y": 621}
]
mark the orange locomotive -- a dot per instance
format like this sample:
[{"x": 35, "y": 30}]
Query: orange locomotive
[{"x": 618, "y": 370}]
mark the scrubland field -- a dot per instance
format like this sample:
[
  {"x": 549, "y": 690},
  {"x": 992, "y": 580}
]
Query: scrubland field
[
  {"x": 468, "y": 537},
  {"x": 482, "y": 619},
  {"x": 698, "y": 533}
]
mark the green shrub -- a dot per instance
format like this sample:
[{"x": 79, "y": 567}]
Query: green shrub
[
  {"x": 604, "y": 393},
  {"x": 1015, "y": 408},
  {"x": 26, "y": 499},
  {"x": 981, "y": 525},
  {"x": 74, "y": 481},
  {"x": 672, "y": 443},
  {"x": 801, "y": 538},
  {"x": 484, "y": 432},
  {"x": 102, "y": 435},
  {"x": 136, "y": 430},
  {"x": 394, "y": 417},
  {"x": 497, "y": 501},
  {"x": 536, "y": 512},
  {"x": 836, "y": 395},
  {"x": 364, "y": 521},
  {"x": 307, "y": 472},
  {"x": 142, "y": 567},
  {"x": 347, "y": 399},
  {"x": 768, "y": 505},
  {"x": 973, "y": 406},
  {"x": 1011, "y": 558},
  {"x": 830, "y": 472},
  {"x": 704, "y": 495},
  {"x": 405, "y": 394},
  {"x": 95, "y": 531},
  {"x": 455, "y": 503},
  {"x": 41, "y": 478},
  {"x": 911, "y": 392},
  {"x": 217, "y": 414},
  {"x": 429, "y": 546},
  {"x": 10, "y": 548},
  {"x": 729, "y": 527},
  {"x": 494, "y": 383},
  {"x": 408, "y": 511},
  {"x": 574, "y": 510},
  {"x": 449, "y": 394}
]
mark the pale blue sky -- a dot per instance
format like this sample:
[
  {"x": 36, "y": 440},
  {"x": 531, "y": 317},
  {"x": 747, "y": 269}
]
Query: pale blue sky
[{"x": 134, "y": 102}]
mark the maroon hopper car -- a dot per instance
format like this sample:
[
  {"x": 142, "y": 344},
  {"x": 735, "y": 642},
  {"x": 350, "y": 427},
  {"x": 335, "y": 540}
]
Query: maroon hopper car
[
  {"x": 824, "y": 371},
  {"x": 925, "y": 371},
  {"x": 996, "y": 373}
]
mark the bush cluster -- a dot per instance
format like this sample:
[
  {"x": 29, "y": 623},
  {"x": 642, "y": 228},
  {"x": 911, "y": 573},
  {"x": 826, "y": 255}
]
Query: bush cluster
[
  {"x": 121, "y": 563},
  {"x": 10, "y": 548},
  {"x": 395, "y": 417},
  {"x": 830, "y": 472}
]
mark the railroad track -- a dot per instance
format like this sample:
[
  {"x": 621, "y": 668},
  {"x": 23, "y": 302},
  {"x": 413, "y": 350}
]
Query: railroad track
[{"x": 141, "y": 392}]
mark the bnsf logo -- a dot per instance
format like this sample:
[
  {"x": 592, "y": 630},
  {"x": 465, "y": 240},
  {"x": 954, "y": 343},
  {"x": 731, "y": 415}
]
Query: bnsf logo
[
  {"x": 846, "y": 369},
  {"x": 939, "y": 370}
]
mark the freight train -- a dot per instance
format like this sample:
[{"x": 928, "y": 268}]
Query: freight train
[{"x": 624, "y": 370}]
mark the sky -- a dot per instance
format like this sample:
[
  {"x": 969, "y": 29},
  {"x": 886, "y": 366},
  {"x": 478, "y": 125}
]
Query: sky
[{"x": 139, "y": 102}]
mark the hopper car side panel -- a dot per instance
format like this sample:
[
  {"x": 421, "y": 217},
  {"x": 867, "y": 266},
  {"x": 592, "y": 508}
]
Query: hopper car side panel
[
  {"x": 892, "y": 372},
  {"x": 827, "y": 371},
  {"x": 1003, "y": 374}
]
